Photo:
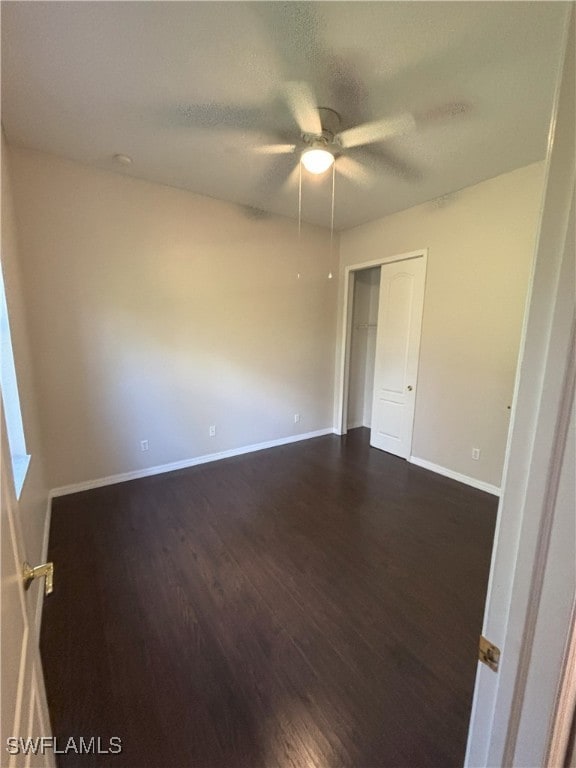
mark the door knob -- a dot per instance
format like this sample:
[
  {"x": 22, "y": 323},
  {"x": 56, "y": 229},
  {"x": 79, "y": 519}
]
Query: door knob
[
  {"x": 29, "y": 574},
  {"x": 409, "y": 387}
]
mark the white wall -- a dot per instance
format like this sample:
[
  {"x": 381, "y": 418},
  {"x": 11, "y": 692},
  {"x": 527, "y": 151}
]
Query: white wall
[
  {"x": 481, "y": 247},
  {"x": 32, "y": 505},
  {"x": 155, "y": 313}
]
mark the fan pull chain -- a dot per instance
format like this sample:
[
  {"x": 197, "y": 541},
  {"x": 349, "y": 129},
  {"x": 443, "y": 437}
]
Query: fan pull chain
[
  {"x": 299, "y": 215},
  {"x": 332, "y": 216},
  {"x": 299, "y": 202}
]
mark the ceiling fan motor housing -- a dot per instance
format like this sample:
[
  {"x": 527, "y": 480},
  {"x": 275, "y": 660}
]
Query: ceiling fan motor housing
[{"x": 330, "y": 122}]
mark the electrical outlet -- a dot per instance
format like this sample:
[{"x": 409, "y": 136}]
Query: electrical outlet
[
  {"x": 144, "y": 445},
  {"x": 475, "y": 453},
  {"x": 296, "y": 418},
  {"x": 212, "y": 431}
]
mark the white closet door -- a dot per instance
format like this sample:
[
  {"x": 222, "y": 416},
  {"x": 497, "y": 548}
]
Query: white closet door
[{"x": 397, "y": 350}]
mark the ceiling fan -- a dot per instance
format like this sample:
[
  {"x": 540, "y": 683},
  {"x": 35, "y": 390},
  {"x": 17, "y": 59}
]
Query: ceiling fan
[{"x": 323, "y": 143}]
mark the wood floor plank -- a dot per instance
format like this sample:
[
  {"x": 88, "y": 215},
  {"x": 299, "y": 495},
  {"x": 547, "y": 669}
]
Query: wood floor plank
[
  {"x": 317, "y": 604},
  {"x": 319, "y": 643}
]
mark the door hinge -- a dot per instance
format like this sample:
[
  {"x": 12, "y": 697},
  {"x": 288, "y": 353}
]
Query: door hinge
[{"x": 489, "y": 653}]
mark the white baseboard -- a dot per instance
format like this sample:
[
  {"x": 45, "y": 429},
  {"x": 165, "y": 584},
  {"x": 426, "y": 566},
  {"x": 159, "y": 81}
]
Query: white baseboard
[
  {"x": 184, "y": 464},
  {"x": 480, "y": 484}
]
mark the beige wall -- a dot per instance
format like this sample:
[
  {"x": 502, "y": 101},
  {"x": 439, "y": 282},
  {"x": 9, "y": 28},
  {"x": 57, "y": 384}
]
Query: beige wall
[
  {"x": 481, "y": 244},
  {"x": 155, "y": 313},
  {"x": 32, "y": 505}
]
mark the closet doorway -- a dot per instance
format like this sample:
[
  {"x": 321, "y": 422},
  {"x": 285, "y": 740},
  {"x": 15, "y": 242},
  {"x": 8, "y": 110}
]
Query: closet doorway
[
  {"x": 380, "y": 352},
  {"x": 366, "y": 293}
]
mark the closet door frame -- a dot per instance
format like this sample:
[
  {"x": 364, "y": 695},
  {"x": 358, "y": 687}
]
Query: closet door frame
[{"x": 341, "y": 384}]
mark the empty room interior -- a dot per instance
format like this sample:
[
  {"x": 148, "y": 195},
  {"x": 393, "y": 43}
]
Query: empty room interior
[{"x": 269, "y": 271}]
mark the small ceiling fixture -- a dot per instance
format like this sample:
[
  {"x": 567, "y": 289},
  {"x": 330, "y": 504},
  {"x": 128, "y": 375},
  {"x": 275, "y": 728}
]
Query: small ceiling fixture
[
  {"x": 123, "y": 159},
  {"x": 317, "y": 158}
]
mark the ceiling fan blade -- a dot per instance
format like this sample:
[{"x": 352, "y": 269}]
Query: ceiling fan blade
[
  {"x": 278, "y": 175},
  {"x": 355, "y": 171},
  {"x": 443, "y": 112},
  {"x": 378, "y": 130},
  {"x": 275, "y": 149},
  {"x": 219, "y": 116},
  {"x": 302, "y": 103},
  {"x": 292, "y": 179},
  {"x": 382, "y": 159}
]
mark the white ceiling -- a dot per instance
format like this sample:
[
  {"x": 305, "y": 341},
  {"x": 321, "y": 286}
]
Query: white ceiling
[{"x": 189, "y": 89}]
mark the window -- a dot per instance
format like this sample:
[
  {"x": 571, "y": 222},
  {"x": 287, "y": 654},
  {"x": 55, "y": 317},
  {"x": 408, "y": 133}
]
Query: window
[{"x": 12, "y": 412}]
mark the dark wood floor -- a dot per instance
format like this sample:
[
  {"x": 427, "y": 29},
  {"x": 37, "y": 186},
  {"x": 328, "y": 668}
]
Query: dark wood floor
[{"x": 314, "y": 605}]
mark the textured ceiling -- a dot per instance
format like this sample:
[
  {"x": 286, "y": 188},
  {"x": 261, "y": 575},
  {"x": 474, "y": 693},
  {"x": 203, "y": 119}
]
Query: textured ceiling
[{"x": 190, "y": 90}]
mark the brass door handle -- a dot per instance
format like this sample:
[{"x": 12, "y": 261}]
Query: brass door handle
[{"x": 29, "y": 574}]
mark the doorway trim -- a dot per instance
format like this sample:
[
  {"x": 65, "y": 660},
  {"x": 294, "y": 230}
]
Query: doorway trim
[{"x": 345, "y": 334}]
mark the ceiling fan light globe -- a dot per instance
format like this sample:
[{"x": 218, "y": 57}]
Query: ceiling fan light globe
[{"x": 317, "y": 160}]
